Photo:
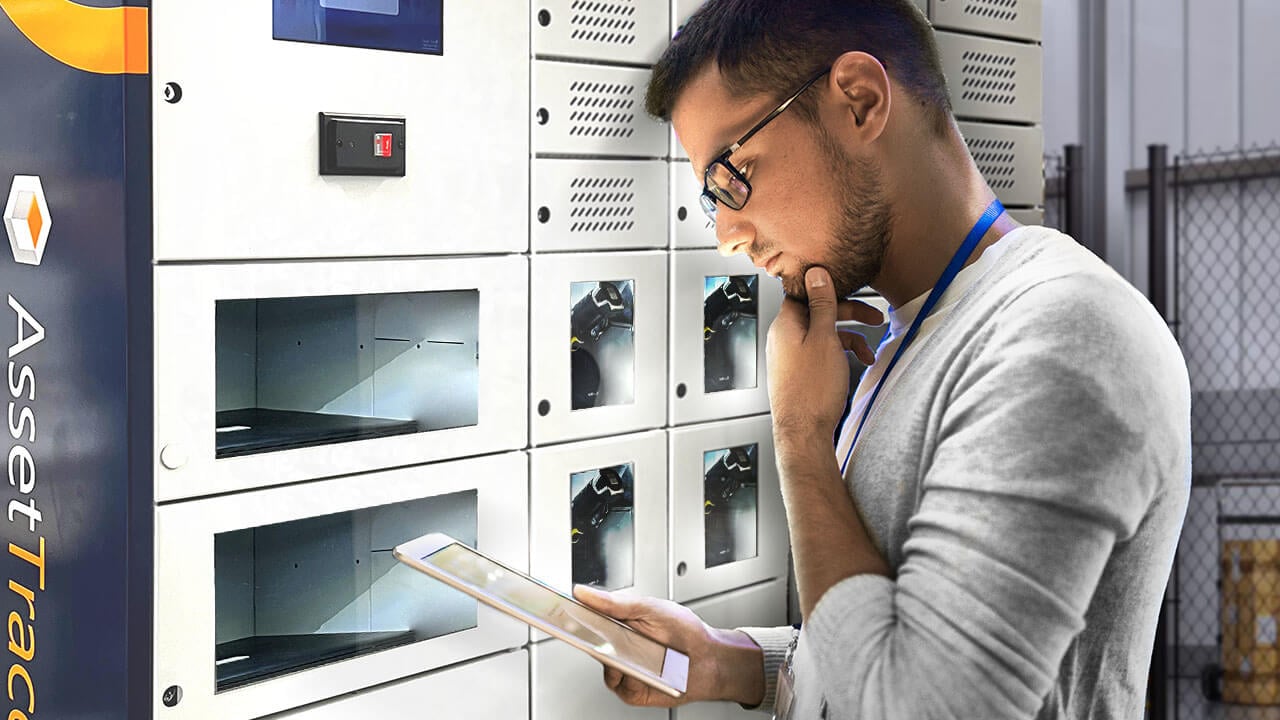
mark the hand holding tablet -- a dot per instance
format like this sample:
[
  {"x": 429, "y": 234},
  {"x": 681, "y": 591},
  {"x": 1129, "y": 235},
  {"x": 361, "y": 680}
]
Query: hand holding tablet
[{"x": 607, "y": 640}]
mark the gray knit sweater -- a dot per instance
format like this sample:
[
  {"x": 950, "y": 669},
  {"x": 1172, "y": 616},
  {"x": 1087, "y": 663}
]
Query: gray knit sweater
[{"x": 1026, "y": 478}]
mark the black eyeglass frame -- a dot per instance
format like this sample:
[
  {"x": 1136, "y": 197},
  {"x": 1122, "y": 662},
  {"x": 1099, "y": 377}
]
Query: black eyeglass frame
[{"x": 708, "y": 199}]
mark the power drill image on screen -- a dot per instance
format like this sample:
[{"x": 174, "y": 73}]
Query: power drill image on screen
[
  {"x": 730, "y": 500},
  {"x": 603, "y": 318},
  {"x": 603, "y": 531},
  {"x": 729, "y": 313}
]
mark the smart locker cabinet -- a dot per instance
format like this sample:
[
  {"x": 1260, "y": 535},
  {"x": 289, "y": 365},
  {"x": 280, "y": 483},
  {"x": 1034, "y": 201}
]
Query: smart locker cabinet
[
  {"x": 690, "y": 226},
  {"x": 595, "y": 110},
  {"x": 278, "y": 597},
  {"x": 728, "y": 527},
  {"x": 598, "y": 344},
  {"x": 721, "y": 309},
  {"x": 581, "y": 205},
  {"x": 236, "y": 114},
  {"x": 598, "y": 516},
  {"x": 272, "y": 373},
  {"x": 618, "y": 31}
]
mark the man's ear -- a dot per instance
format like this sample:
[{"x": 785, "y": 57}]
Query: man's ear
[{"x": 865, "y": 93}]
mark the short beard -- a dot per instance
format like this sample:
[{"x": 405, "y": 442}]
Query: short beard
[{"x": 863, "y": 228}]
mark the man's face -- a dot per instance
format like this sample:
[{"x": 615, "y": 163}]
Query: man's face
[{"x": 811, "y": 204}]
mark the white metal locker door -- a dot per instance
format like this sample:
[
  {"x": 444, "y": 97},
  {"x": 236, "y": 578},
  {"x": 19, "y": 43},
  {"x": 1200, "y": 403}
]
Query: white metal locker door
[
  {"x": 494, "y": 688},
  {"x": 299, "y": 580},
  {"x": 992, "y": 79},
  {"x": 598, "y": 350},
  {"x": 1017, "y": 19},
  {"x": 717, "y": 347},
  {"x": 624, "y": 31},
  {"x": 1011, "y": 159},
  {"x": 236, "y": 167},
  {"x": 690, "y": 226},
  {"x": 593, "y": 110},
  {"x": 487, "y": 377},
  {"x": 607, "y": 544},
  {"x": 599, "y": 204},
  {"x": 712, "y": 553}
]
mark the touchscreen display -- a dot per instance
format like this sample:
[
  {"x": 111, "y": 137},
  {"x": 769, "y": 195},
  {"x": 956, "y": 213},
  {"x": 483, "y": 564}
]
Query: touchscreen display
[{"x": 601, "y": 633}]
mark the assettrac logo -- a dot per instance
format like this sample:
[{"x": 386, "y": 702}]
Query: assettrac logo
[{"x": 26, "y": 219}]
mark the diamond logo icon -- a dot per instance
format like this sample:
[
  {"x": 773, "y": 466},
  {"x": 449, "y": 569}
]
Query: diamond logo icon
[{"x": 26, "y": 219}]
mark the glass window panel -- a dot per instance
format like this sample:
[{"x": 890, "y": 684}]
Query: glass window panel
[
  {"x": 299, "y": 372},
  {"x": 731, "y": 504},
  {"x": 602, "y": 515},
  {"x": 729, "y": 332},
  {"x": 602, "y": 344}
]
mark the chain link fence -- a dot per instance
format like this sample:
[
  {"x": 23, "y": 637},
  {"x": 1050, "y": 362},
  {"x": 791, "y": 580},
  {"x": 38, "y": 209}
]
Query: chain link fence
[{"x": 1225, "y": 590}]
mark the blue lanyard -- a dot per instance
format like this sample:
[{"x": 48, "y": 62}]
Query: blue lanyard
[{"x": 993, "y": 211}]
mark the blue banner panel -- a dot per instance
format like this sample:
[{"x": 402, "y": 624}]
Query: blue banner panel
[{"x": 67, "y": 533}]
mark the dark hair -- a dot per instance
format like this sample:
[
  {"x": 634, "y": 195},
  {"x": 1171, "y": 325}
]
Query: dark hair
[{"x": 773, "y": 46}]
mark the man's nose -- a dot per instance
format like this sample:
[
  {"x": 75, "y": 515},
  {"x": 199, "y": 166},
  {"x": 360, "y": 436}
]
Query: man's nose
[{"x": 733, "y": 233}]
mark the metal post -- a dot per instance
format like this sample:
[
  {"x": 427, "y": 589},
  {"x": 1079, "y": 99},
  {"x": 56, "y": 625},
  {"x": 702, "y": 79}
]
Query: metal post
[
  {"x": 1158, "y": 227},
  {"x": 1158, "y": 292},
  {"x": 1073, "y": 199}
]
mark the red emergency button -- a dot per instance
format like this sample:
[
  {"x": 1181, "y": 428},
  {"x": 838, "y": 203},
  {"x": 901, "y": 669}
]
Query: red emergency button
[{"x": 382, "y": 144}]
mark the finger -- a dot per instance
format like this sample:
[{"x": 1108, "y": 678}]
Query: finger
[
  {"x": 634, "y": 692},
  {"x": 859, "y": 312},
  {"x": 822, "y": 297},
  {"x": 611, "y": 604},
  {"x": 612, "y": 677},
  {"x": 858, "y": 345}
]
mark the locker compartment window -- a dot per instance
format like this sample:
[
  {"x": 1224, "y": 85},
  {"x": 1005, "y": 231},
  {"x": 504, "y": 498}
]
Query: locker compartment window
[
  {"x": 602, "y": 515},
  {"x": 730, "y": 505},
  {"x": 300, "y": 594},
  {"x": 602, "y": 345},
  {"x": 729, "y": 332},
  {"x": 300, "y": 372}
]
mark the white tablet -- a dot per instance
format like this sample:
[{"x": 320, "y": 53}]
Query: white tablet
[{"x": 558, "y": 615}]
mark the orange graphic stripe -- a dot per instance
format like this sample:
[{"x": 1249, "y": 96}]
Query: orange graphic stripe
[{"x": 109, "y": 41}]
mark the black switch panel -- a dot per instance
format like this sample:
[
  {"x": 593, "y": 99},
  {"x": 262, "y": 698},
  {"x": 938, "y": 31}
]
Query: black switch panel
[{"x": 361, "y": 145}]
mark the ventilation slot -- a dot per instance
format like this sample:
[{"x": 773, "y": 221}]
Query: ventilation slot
[
  {"x": 608, "y": 23},
  {"x": 996, "y": 160},
  {"x": 602, "y": 205},
  {"x": 602, "y": 110},
  {"x": 1005, "y": 10},
  {"x": 988, "y": 78}
]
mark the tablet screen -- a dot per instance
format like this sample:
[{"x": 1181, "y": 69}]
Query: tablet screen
[{"x": 604, "y": 634}]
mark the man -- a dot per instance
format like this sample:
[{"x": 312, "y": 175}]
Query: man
[{"x": 998, "y": 543}]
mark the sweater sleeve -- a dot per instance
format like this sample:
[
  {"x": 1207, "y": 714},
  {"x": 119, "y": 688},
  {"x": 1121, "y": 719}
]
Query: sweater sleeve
[
  {"x": 1043, "y": 463},
  {"x": 774, "y": 643}
]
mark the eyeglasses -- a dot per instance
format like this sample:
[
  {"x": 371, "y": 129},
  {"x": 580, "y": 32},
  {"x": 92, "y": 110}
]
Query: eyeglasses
[{"x": 724, "y": 183}]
